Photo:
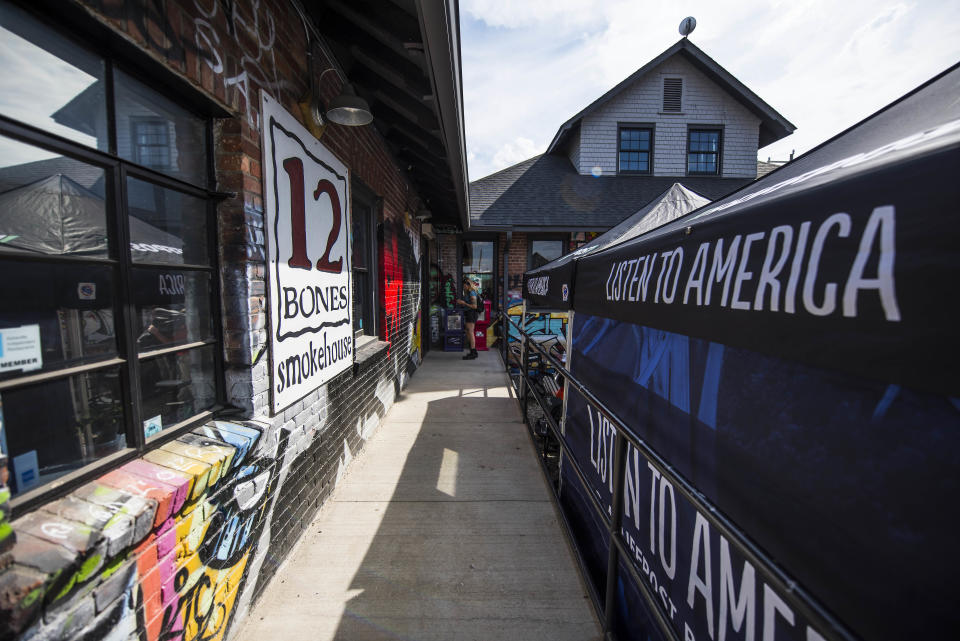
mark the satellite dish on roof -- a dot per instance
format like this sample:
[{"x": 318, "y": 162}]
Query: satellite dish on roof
[{"x": 687, "y": 25}]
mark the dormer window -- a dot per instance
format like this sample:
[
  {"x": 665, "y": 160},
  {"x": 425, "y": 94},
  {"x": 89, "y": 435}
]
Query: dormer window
[
  {"x": 636, "y": 155},
  {"x": 672, "y": 95},
  {"x": 703, "y": 152}
]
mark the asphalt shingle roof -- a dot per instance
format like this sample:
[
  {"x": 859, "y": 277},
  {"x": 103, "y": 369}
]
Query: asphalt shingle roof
[{"x": 546, "y": 191}]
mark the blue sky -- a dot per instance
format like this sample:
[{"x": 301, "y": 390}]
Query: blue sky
[{"x": 529, "y": 65}]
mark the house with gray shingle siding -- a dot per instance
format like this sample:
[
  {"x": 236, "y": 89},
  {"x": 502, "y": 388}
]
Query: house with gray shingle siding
[{"x": 680, "y": 118}]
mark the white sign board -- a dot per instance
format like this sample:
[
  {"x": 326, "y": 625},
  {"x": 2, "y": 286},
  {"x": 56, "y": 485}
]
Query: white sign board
[
  {"x": 307, "y": 220},
  {"x": 20, "y": 349}
]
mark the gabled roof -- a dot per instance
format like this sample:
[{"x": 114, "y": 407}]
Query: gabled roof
[
  {"x": 764, "y": 168},
  {"x": 773, "y": 126},
  {"x": 547, "y": 192}
]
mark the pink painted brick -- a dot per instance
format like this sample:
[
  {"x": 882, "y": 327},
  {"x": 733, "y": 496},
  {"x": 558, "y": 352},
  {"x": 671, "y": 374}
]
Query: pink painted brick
[
  {"x": 152, "y": 472},
  {"x": 163, "y": 494}
]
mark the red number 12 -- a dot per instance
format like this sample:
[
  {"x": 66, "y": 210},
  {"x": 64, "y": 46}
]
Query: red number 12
[{"x": 298, "y": 215}]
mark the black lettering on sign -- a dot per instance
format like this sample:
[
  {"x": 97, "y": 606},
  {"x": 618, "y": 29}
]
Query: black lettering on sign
[{"x": 172, "y": 284}]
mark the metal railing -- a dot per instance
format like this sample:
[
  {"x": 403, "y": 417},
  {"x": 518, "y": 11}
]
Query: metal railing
[{"x": 619, "y": 554}]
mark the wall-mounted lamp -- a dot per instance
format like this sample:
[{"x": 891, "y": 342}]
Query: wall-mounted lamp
[
  {"x": 349, "y": 109},
  {"x": 346, "y": 109}
]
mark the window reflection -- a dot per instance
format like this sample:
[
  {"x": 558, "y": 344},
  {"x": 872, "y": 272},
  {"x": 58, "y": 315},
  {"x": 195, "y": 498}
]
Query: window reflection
[
  {"x": 56, "y": 427},
  {"x": 166, "y": 226},
  {"x": 544, "y": 251},
  {"x": 478, "y": 260},
  {"x": 704, "y": 152},
  {"x": 50, "y": 205},
  {"x": 177, "y": 386},
  {"x": 153, "y": 131},
  {"x": 65, "y": 92},
  {"x": 71, "y": 307},
  {"x": 478, "y": 256},
  {"x": 173, "y": 307}
]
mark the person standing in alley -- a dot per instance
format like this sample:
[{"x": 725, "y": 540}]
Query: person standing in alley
[{"x": 471, "y": 301}]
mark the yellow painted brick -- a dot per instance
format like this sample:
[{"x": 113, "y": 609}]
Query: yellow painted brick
[
  {"x": 212, "y": 455},
  {"x": 199, "y": 470},
  {"x": 191, "y": 530}
]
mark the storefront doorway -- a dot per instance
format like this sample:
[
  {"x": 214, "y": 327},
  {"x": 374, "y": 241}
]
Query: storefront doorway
[{"x": 478, "y": 263}]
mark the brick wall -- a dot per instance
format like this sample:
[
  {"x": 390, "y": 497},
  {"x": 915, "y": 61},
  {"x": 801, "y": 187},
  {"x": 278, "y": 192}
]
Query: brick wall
[
  {"x": 179, "y": 542},
  {"x": 516, "y": 265},
  {"x": 704, "y": 103},
  {"x": 447, "y": 245}
]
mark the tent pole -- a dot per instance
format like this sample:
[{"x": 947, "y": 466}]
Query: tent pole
[
  {"x": 524, "y": 354},
  {"x": 566, "y": 395}
]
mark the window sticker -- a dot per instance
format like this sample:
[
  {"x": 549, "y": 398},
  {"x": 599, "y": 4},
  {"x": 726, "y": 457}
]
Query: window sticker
[
  {"x": 152, "y": 426},
  {"x": 26, "y": 471},
  {"x": 20, "y": 349}
]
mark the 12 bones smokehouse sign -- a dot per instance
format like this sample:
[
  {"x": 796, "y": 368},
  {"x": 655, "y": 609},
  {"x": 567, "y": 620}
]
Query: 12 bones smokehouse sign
[{"x": 306, "y": 195}]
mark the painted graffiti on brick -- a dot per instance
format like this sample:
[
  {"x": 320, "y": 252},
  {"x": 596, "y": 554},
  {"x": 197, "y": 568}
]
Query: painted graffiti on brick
[{"x": 158, "y": 549}]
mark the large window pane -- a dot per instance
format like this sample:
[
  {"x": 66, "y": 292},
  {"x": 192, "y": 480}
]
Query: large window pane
[
  {"x": 543, "y": 251},
  {"x": 50, "y": 204},
  {"x": 704, "y": 151},
  {"x": 478, "y": 256},
  {"x": 361, "y": 301},
  {"x": 166, "y": 226},
  {"x": 177, "y": 386},
  {"x": 155, "y": 132},
  {"x": 634, "y": 153},
  {"x": 59, "y": 426},
  {"x": 60, "y": 314},
  {"x": 478, "y": 263},
  {"x": 173, "y": 307},
  {"x": 49, "y": 82},
  {"x": 360, "y": 237},
  {"x": 484, "y": 285}
]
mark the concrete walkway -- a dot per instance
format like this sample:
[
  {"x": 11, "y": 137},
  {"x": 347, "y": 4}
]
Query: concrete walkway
[{"x": 443, "y": 529}]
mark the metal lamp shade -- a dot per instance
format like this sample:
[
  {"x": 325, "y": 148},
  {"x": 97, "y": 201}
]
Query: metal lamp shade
[{"x": 349, "y": 109}]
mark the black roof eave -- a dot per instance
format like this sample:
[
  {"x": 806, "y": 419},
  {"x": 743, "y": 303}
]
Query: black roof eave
[{"x": 440, "y": 28}]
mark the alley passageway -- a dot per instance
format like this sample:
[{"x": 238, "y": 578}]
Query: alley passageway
[{"x": 442, "y": 529}]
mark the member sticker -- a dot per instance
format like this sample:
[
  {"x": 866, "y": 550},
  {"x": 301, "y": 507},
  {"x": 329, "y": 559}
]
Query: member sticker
[{"x": 20, "y": 349}]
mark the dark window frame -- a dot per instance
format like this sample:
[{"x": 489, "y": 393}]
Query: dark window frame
[
  {"x": 563, "y": 239},
  {"x": 480, "y": 238},
  {"x": 135, "y": 123},
  {"x": 364, "y": 202},
  {"x": 642, "y": 127},
  {"x": 718, "y": 129},
  {"x": 128, "y": 358}
]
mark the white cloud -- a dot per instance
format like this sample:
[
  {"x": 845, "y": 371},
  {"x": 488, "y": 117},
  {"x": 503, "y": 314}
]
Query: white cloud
[
  {"x": 529, "y": 66},
  {"x": 515, "y": 14},
  {"x": 516, "y": 151}
]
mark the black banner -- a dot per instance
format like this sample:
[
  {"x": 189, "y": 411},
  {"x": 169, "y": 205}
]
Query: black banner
[
  {"x": 847, "y": 485},
  {"x": 550, "y": 287},
  {"x": 858, "y": 275}
]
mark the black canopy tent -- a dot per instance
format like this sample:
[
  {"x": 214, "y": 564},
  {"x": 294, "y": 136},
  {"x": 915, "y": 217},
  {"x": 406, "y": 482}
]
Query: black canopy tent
[
  {"x": 548, "y": 286},
  {"x": 839, "y": 258},
  {"x": 56, "y": 215},
  {"x": 790, "y": 349}
]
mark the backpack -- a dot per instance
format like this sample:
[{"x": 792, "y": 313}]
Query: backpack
[{"x": 478, "y": 302}]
